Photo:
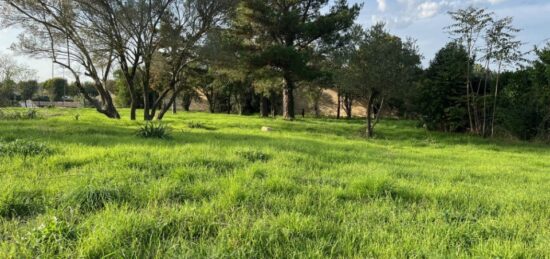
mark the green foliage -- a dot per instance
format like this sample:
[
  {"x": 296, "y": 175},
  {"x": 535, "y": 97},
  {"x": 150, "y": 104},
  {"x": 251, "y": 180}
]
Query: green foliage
[
  {"x": 123, "y": 96},
  {"x": 441, "y": 96},
  {"x": 56, "y": 88},
  {"x": 28, "y": 89},
  {"x": 523, "y": 107},
  {"x": 153, "y": 129}
]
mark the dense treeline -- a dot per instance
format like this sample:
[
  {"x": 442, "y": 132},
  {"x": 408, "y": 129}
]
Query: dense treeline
[{"x": 251, "y": 56}]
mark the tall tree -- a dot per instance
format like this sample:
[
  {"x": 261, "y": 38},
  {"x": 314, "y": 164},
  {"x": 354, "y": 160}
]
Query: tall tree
[
  {"x": 130, "y": 30},
  {"x": 440, "y": 97},
  {"x": 505, "y": 52},
  {"x": 182, "y": 33},
  {"x": 382, "y": 66},
  {"x": 281, "y": 35},
  {"x": 468, "y": 26}
]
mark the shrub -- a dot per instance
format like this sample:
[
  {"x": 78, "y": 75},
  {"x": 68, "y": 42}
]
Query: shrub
[
  {"x": 25, "y": 148},
  {"x": 154, "y": 130}
]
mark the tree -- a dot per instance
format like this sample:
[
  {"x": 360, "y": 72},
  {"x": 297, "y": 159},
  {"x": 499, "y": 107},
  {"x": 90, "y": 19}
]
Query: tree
[
  {"x": 382, "y": 66},
  {"x": 11, "y": 72},
  {"x": 523, "y": 104},
  {"x": 181, "y": 34},
  {"x": 28, "y": 90},
  {"x": 61, "y": 31},
  {"x": 468, "y": 26},
  {"x": 55, "y": 88},
  {"x": 280, "y": 35},
  {"x": 505, "y": 51},
  {"x": 440, "y": 95}
]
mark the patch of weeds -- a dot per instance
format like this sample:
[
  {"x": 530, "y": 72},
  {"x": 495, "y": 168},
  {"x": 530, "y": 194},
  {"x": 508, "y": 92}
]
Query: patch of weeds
[
  {"x": 254, "y": 156},
  {"x": 50, "y": 238},
  {"x": 25, "y": 148},
  {"x": 199, "y": 125},
  {"x": 21, "y": 204},
  {"x": 153, "y": 129}
]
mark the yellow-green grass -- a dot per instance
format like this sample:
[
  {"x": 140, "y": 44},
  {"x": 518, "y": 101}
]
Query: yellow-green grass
[{"x": 221, "y": 187}]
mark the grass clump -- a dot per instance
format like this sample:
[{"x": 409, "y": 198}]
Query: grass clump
[
  {"x": 199, "y": 125},
  {"x": 153, "y": 129},
  {"x": 30, "y": 114},
  {"x": 25, "y": 148},
  {"x": 93, "y": 197},
  {"x": 17, "y": 204},
  {"x": 254, "y": 156},
  {"x": 51, "y": 238}
]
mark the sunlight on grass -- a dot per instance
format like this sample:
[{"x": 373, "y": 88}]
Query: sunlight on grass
[{"x": 220, "y": 187}]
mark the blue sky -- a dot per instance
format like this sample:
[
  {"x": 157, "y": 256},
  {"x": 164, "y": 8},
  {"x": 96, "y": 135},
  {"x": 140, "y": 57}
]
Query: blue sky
[{"x": 422, "y": 20}]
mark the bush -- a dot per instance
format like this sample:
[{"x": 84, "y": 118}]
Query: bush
[
  {"x": 24, "y": 148},
  {"x": 154, "y": 130}
]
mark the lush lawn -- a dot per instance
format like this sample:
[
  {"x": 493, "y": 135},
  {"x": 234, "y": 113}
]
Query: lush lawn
[{"x": 310, "y": 188}]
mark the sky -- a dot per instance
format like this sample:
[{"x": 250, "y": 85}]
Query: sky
[{"x": 422, "y": 20}]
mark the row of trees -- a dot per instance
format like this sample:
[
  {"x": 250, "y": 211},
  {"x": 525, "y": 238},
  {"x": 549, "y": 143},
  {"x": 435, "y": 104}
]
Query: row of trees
[{"x": 253, "y": 55}]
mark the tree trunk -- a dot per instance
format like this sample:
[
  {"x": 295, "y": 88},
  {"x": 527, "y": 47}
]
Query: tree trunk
[
  {"x": 133, "y": 108},
  {"x": 495, "y": 102},
  {"x": 186, "y": 102},
  {"x": 348, "y": 106},
  {"x": 378, "y": 112},
  {"x": 288, "y": 98},
  {"x": 111, "y": 112},
  {"x": 468, "y": 85},
  {"x": 338, "y": 106},
  {"x": 370, "y": 128},
  {"x": 174, "y": 103},
  {"x": 264, "y": 107}
]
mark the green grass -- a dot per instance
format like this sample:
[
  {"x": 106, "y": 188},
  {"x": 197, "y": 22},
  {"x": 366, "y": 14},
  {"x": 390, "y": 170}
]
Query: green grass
[{"x": 220, "y": 187}]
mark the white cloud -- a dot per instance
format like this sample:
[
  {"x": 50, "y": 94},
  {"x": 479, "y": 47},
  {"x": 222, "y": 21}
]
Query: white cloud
[
  {"x": 382, "y": 6},
  {"x": 428, "y": 9}
]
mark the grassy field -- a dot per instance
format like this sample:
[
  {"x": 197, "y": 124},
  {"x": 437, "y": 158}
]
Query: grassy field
[{"x": 220, "y": 187}]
